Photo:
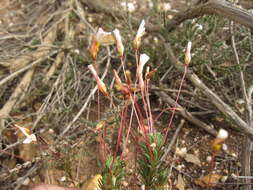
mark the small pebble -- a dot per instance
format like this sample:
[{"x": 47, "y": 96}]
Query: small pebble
[
  {"x": 63, "y": 178},
  {"x": 26, "y": 181},
  {"x": 224, "y": 147},
  {"x": 181, "y": 152}
]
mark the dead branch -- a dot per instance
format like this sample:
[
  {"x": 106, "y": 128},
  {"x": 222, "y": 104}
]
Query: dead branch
[
  {"x": 213, "y": 7},
  {"x": 214, "y": 98},
  {"x": 247, "y": 144},
  {"x": 20, "y": 89},
  {"x": 40, "y": 52}
]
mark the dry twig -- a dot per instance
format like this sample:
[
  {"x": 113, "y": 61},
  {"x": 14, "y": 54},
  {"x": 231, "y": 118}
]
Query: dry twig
[{"x": 247, "y": 144}]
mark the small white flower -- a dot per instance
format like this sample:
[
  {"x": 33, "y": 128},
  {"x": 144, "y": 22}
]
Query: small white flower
[
  {"x": 77, "y": 51},
  {"x": 150, "y": 4},
  {"x": 104, "y": 38},
  {"x": 198, "y": 26},
  {"x": 141, "y": 29},
  {"x": 153, "y": 145},
  {"x": 101, "y": 85},
  {"x": 128, "y": 6},
  {"x": 143, "y": 60},
  {"x": 29, "y": 137},
  {"x": 165, "y": 6},
  {"x": 222, "y": 134},
  {"x": 119, "y": 43},
  {"x": 156, "y": 40},
  {"x": 187, "y": 58},
  {"x": 63, "y": 178},
  {"x": 181, "y": 151},
  {"x": 140, "y": 33},
  {"x": 224, "y": 147}
]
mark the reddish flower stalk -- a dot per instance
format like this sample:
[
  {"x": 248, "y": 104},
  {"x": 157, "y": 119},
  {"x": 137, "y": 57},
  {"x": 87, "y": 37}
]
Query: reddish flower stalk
[
  {"x": 187, "y": 62},
  {"x": 122, "y": 124}
]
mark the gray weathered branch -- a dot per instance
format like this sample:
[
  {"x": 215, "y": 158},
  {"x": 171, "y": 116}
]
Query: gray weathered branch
[{"x": 214, "y": 7}]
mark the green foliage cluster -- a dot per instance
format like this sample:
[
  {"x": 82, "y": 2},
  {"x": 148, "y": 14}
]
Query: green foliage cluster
[
  {"x": 113, "y": 174},
  {"x": 153, "y": 172}
]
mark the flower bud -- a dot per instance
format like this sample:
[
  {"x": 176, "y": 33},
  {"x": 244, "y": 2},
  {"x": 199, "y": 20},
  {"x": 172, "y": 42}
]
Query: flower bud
[
  {"x": 150, "y": 74},
  {"x": 143, "y": 60},
  {"x": 222, "y": 134},
  {"x": 30, "y": 137},
  {"x": 100, "y": 38},
  {"x": 100, "y": 83},
  {"x": 217, "y": 143},
  {"x": 187, "y": 58},
  {"x": 117, "y": 79},
  {"x": 94, "y": 48},
  {"x": 119, "y": 44},
  {"x": 140, "y": 33}
]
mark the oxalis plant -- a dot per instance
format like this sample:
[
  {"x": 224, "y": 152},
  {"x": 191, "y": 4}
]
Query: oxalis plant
[{"x": 152, "y": 172}]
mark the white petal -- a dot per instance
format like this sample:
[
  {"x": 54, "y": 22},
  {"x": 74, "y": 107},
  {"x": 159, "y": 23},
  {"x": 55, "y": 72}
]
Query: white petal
[
  {"x": 33, "y": 137},
  {"x": 141, "y": 30},
  {"x": 128, "y": 6},
  {"x": 27, "y": 141},
  {"x": 92, "y": 70},
  {"x": 164, "y": 6},
  {"x": 104, "y": 38},
  {"x": 189, "y": 46},
  {"x": 101, "y": 33},
  {"x": 144, "y": 59},
  {"x": 222, "y": 134},
  {"x": 119, "y": 43}
]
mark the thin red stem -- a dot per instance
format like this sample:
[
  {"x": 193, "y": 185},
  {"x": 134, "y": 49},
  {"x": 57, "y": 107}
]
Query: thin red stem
[{"x": 178, "y": 94}]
